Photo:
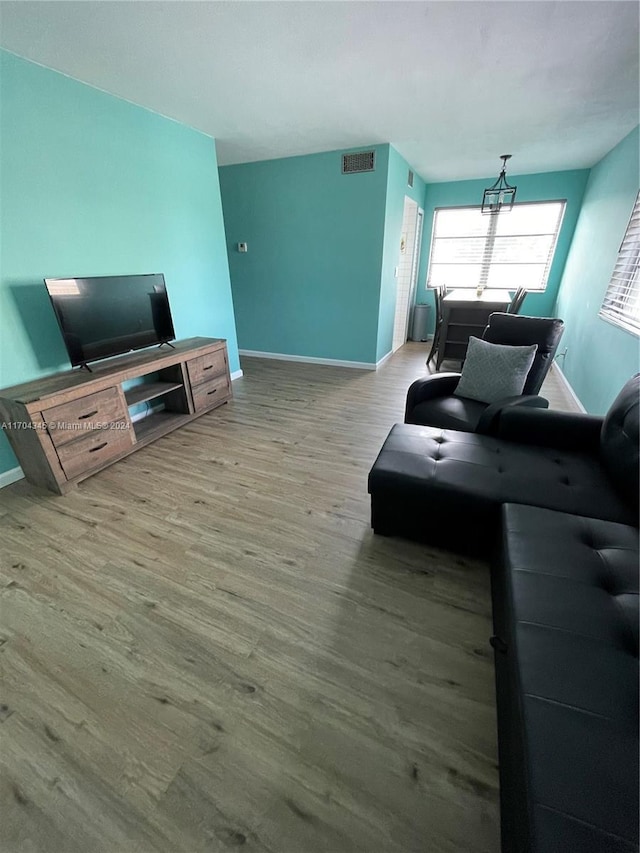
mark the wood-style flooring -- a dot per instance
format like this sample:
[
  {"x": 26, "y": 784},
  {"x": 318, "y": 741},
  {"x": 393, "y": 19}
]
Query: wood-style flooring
[{"x": 204, "y": 647}]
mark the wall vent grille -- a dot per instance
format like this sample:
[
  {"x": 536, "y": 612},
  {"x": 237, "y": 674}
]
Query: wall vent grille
[
  {"x": 410, "y": 178},
  {"x": 363, "y": 161}
]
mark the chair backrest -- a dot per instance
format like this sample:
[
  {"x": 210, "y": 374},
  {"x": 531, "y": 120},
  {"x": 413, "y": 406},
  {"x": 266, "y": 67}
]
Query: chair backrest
[
  {"x": 438, "y": 294},
  {"x": 516, "y": 330},
  {"x": 516, "y": 302},
  {"x": 619, "y": 441}
]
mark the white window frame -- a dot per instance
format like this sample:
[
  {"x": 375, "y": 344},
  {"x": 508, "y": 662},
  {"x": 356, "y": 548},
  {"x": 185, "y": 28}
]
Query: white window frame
[
  {"x": 490, "y": 242},
  {"x": 621, "y": 303}
]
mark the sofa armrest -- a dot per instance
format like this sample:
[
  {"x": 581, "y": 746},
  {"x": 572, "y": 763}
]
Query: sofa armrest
[
  {"x": 489, "y": 420},
  {"x": 429, "y": 388},
  {"x": 548, "y": 428}
]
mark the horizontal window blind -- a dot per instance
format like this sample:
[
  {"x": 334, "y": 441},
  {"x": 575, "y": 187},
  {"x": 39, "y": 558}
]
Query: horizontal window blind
[
  {"x": 505, "y": 250},
  {"x": 621, "y": 303}
]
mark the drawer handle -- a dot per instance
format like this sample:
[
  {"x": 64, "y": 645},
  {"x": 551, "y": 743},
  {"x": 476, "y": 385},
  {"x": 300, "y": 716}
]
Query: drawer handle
[
  {"x": 88, "y": 415},
  {"x": 208, "y": 367},
  {"x": 98, "y": 447},
  {"x": 212, "y": 392}
]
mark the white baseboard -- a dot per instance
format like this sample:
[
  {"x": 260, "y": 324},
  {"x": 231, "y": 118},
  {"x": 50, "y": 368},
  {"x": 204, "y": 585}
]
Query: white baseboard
[
  {"x": 383, "y": 359},
  {"x": 11, "y": 476},
  {"x": 237, "y": 374},
  {"x": 567, "y": 385},
  {"x": 330, "y": 362}
]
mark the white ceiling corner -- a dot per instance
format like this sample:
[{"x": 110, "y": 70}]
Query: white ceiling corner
[{"x": 450, "y": 84}]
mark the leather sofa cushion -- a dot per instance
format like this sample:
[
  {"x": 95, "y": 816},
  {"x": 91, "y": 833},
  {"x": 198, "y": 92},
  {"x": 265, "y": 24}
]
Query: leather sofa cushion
[
  {"x": 620, "y": 441},
  {"x": 470, "y": 475},
  {"x": 569, "y": 620},
  {"x": 459, "y": 413}
]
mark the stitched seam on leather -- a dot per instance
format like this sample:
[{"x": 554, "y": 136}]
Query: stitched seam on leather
[
  {"x": 566, "y": 631},
  {"x": 586, "y": 823},
  {"x": 630, "y": 550},
  {"x": 514, "y": 677},
  {"x": 568, "y": 705},
  {"x": 628, "y": 632},
  {"x": 569, "y": 578},
  {"x": 607, "y": 568}
]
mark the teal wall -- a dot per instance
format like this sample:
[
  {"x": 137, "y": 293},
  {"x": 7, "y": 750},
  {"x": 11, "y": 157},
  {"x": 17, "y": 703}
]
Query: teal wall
[
  {"x": 93, "y": 185},
  {"x": 600, "y": 356},
  {"x": 309, "y": 284},
  {"x": 539, "y": 187},
  {"x": 397, "y": 189}
]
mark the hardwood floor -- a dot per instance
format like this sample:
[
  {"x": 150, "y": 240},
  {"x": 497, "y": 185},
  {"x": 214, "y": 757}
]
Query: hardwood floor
[{"x": 205, "y": 648}]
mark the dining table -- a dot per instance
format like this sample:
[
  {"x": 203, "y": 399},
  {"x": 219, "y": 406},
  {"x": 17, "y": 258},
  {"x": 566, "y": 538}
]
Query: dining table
[{"x": 465, "y": 312}]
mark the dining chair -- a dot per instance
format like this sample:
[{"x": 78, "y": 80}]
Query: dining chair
[
  {"x": 439, "y": 294},
  {"x": 516, "y": 302}
]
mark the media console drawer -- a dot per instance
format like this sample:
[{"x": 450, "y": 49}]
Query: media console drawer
[
  {"x": 73, "y": 420},
  {"x": 209, "y": 393},
  {"x": 206, "y": 367},
  {"x": 68, "y": 426},
  {"x": 83, "y": 454}
]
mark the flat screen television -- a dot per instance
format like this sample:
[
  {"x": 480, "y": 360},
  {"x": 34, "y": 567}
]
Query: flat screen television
[{"x": 108, "y": 315}]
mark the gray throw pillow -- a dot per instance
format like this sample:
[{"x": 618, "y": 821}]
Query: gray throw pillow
[{"x": 493, "y": 371}]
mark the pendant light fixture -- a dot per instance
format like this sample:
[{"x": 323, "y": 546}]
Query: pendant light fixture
[{"x": 500, "y": 196}]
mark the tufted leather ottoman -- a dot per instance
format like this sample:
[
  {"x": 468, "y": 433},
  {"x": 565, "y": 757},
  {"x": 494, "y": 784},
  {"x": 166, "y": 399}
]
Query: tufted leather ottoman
[
  {"x": 565, "y": 608},
  {"x": 447, "y": 487}
]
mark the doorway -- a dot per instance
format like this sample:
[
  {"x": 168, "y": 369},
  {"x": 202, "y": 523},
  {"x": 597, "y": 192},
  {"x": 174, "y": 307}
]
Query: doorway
[{"x": 410, "y": 239}]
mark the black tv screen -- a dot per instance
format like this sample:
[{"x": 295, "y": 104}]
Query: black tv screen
[{"x": 108, "y": 315}]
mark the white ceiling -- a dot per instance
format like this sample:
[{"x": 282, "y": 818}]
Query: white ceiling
[{"x": 452, "y": 85}]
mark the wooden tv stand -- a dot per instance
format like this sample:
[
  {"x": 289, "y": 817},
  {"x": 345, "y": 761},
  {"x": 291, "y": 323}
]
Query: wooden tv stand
[{"x": 68, "y": 426}]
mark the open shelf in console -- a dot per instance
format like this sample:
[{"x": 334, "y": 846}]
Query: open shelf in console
[
  {"x": 153, "y": 426},
  {"x": 165, "y": 394},
  {"x": 149, "y": 391}
]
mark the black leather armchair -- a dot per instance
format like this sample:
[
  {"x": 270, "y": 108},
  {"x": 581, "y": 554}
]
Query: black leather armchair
[{"x": 431, "y": 401}]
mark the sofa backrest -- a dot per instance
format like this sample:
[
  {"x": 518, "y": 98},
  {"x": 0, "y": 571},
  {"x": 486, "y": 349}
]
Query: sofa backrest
[
  {"x": 620, "y": 441},
  {"x": 517, "y": 330}
]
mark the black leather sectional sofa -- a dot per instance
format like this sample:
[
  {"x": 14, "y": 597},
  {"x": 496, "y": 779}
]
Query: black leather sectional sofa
[{"x": 554, "y": 498}]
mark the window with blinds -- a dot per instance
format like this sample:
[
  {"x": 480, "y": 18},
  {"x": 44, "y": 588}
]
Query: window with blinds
[
  {"x": 621, "y": 303},
  {"x": 506, "y": 250}
]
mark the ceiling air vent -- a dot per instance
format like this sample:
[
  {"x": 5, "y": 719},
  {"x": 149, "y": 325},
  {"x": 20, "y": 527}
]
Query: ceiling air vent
[
  {"x": 410, "y": 178},
  {"x": 363, "y": 161}
]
